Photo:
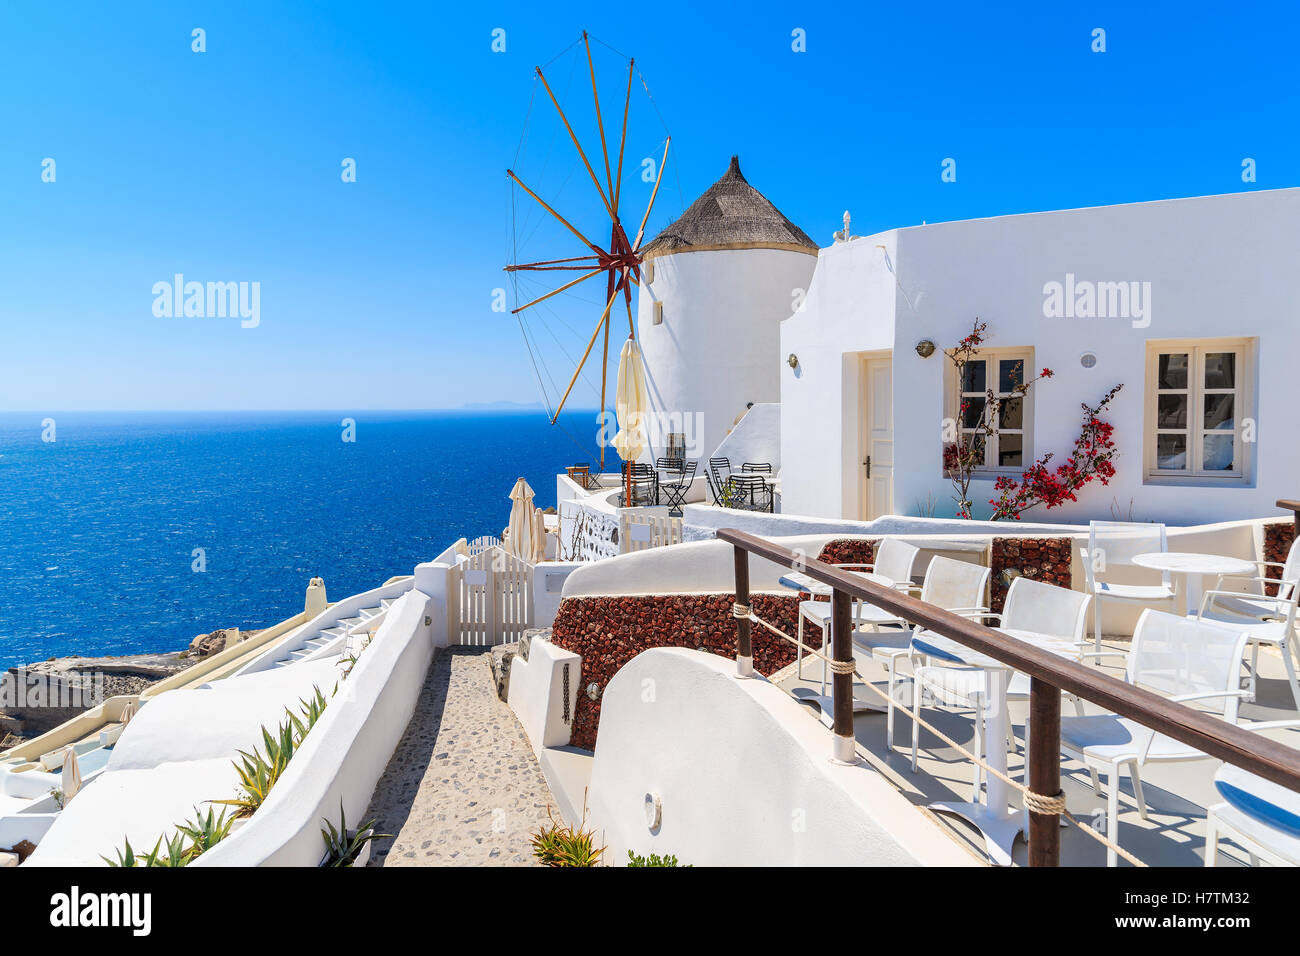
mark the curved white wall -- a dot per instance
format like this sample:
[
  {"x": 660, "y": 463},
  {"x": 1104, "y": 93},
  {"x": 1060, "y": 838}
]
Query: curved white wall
[
  {"x": 716, "y": 348},
  {"x": 743, "y": 777}
]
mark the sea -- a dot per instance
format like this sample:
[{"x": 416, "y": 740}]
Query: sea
[{"x": 125, "y": 533}]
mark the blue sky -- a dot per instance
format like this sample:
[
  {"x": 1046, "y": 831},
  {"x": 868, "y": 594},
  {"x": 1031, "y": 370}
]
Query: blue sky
[{"x": 225, "y": 165}]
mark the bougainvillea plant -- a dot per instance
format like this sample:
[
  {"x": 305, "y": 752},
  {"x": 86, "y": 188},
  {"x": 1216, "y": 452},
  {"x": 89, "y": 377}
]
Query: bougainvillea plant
[
  {"x": 965, "y": 440},
  {"x": 1092, "y": 458}
]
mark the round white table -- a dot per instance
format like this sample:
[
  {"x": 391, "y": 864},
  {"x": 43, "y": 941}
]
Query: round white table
[
  {"x": 995, "y": 818},
  {"x": 1193, "y": 568}
]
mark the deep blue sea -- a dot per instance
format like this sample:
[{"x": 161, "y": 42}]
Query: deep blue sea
[{"x": 98, "y": 528}]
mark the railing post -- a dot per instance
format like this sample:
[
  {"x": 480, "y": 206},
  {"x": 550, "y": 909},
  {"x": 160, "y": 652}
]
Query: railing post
[
  {"x": 744, "y": 651},
  {"x": 842, "y": 683},
  {"x": 1044, "y": 770}
]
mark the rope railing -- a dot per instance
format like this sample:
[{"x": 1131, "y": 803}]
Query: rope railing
[{"x": 1049, "y": 675}]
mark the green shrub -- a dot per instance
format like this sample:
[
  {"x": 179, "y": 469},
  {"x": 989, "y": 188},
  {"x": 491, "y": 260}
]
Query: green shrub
[{"x": 654, "y": 859}]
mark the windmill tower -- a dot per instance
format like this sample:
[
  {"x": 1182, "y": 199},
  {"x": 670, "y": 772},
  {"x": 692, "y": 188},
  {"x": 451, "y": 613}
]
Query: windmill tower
[{"x": 716, "y": 285}]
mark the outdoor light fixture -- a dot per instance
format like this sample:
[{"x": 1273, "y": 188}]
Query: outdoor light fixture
[
  {"x": 1007, "y": 576},
  {"x": 793, "y": 360},
  {"x": 593, "y": 690},
  {"x": 1088, "y": 359},
  {"x": 925, "y": 348}
]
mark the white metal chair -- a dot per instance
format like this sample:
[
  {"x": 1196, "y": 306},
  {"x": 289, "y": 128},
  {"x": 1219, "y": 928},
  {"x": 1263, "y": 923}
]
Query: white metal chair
[
  {"x": 893, "y": 568},
  {"x": 956, "y": 586},
  {"x": 1184, "y": 659},
  {"x": 1033, "y": 610},
  {"x": 1114, "y": 544},
  {"x": 1260, "y": 816},
  {"x": 1267, "y": 619}
]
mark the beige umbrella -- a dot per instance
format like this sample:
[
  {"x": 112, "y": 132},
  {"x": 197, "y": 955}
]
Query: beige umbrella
[
  {"x": 127, "y": 712},
  {"x": 539, "y": 536},
  {"x": 520, "y": 532},
  {"x": 71, "y": 776},
  {"x": 630, "y": 407}
]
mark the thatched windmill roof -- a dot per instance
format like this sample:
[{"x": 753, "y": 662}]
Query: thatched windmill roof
[{"x": 731, "y": 214}]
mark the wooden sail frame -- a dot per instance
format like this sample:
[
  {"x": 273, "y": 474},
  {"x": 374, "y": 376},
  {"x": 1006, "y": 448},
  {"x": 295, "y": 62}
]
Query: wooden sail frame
[{"x": 620, "y": 262}]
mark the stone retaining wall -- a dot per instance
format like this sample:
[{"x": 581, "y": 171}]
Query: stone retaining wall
[{"x": 1039, "y": 559}]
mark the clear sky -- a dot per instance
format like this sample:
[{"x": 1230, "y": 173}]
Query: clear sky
[{"x": 226, "y": 165}]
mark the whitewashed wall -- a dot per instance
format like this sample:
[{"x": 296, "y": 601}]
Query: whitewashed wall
[
  {"x": 850, "y": 308},
  {"x": 1220, "y": 266},
  {"x": 713, "y": 353},
  {"x": 742, "y": 776}
]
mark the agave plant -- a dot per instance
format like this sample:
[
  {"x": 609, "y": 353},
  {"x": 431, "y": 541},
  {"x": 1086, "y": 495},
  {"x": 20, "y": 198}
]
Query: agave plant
[
  {"x": 311, "y": 712},
  {"x": 205, "y": 832},
  {"x": 171, "y": 855},
  {"x": 342, "y": 846},
  {"x": 258, "y": 773},
  {"x": 566, "y": 846}
]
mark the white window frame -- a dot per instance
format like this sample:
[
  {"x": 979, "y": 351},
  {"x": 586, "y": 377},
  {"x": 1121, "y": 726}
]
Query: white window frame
[
  {"x": 993, "y": 358},
  {"x": 1243, "y": 392}
]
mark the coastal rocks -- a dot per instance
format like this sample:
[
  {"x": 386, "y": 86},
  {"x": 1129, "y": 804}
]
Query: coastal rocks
[
  {"x": 205, "y": 644},
  {"x": 609, "y": 631}
]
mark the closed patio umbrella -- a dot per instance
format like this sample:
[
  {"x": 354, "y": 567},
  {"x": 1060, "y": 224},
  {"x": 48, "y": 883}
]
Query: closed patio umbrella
[
  {"x": 630, "y": 406},
  {"x": 71, "y": 776},
  {"x": 520, "y": 540},
  {"x": 539, "y": 532}
]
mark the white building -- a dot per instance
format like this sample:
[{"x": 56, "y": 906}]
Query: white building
[
  {"x": 719, "y": 281},
  {"x": 1191, "y": 304}
]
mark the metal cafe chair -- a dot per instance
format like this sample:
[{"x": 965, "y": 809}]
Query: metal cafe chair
[
  {"x": 675, "y": 490},
  {"x": 748, "y": 493},
  {"x": 644, "y": 482},
  {"x": 757, "y": 467}
]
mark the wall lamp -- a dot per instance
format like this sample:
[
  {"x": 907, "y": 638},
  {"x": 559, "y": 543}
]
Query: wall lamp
[
  {"x": 793, "y": 360},
  {"x": 925, "y": 348}
]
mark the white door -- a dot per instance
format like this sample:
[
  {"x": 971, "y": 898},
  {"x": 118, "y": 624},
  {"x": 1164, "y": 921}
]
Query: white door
[{"x": 877, "y": 443}]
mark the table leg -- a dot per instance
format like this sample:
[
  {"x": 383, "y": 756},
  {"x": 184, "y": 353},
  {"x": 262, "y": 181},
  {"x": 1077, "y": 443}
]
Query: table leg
[
  {"x": 994, "y": 818},
  {"x": 1193, "y": 590}
]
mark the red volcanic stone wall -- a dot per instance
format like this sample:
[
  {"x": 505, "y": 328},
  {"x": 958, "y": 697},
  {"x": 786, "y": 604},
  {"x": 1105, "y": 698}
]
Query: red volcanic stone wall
[
  {"x": 1039, "y": 559},
  {"x": 610, "y": 631},
  {"x": 1278, "y": 536},
  {"x": 848, "y": 550}
]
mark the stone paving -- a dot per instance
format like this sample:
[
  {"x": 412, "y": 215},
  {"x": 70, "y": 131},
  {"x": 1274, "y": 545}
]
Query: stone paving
[{"x": 463, "y": 787}]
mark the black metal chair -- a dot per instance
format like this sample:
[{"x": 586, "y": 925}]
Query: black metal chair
[
  {"x": 720, "y": 468},
  {"x": 669, "y": 464},
  {"x": 749, "y": 492},
  {"x": 645, "y": 486},
  {"x": 757, "y": 467},
  {"x": 675, "y": 490}
]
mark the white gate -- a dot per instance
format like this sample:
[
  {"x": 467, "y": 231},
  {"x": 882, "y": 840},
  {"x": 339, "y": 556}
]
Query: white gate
[
  {"x": 638, "y": 532},
  {"x": 494, "y": 591}
]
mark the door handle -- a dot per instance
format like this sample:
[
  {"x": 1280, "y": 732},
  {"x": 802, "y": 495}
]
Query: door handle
[{"x": 867, "y": 463}]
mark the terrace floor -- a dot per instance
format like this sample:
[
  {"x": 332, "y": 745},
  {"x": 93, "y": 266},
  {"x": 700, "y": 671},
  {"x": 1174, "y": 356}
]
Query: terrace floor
[
  {"x": 463, "y": 787},
  {"x": 1177, "y": 794}
]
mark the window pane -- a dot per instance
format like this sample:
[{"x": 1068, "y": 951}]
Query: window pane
[
  {"x": 1221, "y": 370},
  {"x": 976, "y": 444},
  {"x": 1171, "y": 411},
  {"x": 1010, "y": 450},
  {"x": 1218, "y": 452},
  {"x": 1011, "y": 373},
  {"x": 1171, "y": 452},
  {"x": 1218, "y": 411},
  {"x": 1011, "y": 413},
  {"x": 1173, "y": 370},
  {"x": 972, "y": 378},
  {"x": 974, "y": 412}
]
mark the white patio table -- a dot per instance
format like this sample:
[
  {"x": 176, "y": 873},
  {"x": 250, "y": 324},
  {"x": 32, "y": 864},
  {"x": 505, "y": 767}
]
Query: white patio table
[
  {"x": 1193, "y": 568},
  {"x": 995, "y": 818}
]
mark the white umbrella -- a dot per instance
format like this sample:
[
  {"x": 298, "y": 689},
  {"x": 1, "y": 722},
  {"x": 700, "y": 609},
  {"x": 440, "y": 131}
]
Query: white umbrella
[
  {"x": 630, "y": 404},
  {"x": 520, "y": 537},
  {"x": 127, "y": 712},
  {"x": 71, "y": 776}
]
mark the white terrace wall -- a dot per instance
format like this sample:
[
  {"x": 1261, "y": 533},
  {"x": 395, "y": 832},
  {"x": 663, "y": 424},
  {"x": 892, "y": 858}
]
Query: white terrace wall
[
  {"x": 343, "y": 757},
  {"x": 741, "y": 777}
]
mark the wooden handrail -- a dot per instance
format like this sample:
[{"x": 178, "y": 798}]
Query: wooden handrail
[{"x": 1260, "y": 755}]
